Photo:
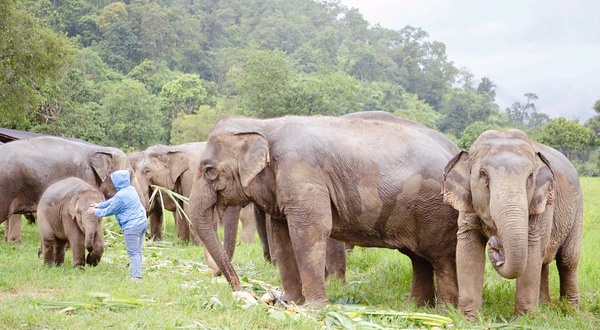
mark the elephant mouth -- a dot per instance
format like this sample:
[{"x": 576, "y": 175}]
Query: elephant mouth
[{"x": 495, "y": 251}]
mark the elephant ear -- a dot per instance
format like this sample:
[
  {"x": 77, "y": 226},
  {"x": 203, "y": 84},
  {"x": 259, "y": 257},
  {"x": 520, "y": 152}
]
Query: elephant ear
[
  {"x": 543, "y": 192},
  {"x": 177, "y": 163},
  {"x": 102, "y": 162},
  {"x": 456, "y": 187},
  {"x": 73, "y": 207},
  {"x": 253, "y": 156}
]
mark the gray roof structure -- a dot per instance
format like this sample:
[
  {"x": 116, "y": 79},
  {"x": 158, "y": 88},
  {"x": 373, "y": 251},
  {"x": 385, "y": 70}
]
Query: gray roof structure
[{"x": 8, "y": 135}]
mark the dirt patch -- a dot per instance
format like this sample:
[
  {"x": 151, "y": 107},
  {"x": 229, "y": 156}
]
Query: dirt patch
[{"x": 16, "y": 293}]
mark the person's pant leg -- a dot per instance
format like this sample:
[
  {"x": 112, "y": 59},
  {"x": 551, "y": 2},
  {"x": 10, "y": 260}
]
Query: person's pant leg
[{"x": 133, "y": 242}]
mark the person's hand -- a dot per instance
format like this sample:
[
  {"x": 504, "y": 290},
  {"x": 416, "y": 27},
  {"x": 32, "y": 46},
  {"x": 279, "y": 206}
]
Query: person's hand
[
  {"x": 94, "y": 205},
  {"x": 91, "y": 209}
]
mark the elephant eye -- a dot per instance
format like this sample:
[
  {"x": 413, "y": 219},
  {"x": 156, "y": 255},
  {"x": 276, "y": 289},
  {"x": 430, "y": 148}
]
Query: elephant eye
[
  {"x": 484, "y": 177},
  {"x": 210, "y": 173}
]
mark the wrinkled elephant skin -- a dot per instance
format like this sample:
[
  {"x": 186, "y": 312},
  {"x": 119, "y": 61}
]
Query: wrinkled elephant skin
[
  {"x": 63, "y": 217},
  {"x": 370, "y": 179},
  {"x": 523, "y": 198}
]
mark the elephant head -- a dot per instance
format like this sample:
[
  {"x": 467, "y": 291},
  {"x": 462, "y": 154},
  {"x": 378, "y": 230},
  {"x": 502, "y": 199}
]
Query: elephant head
[
  {"x": 107, "y": 160},
  {"x": 90, "y": 225},
  {"x": 229, "y": 164},
  {"x": 162, "y": 166},
  {"x": 504, "y": 181}
]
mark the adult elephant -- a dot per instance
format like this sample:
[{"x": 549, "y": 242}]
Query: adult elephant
[
  {"x": 524, "y": 199},
  {"x": 173, "y": 167},
  {"x": 368, "y": 182},
  {"x": 30, "y": 166}
]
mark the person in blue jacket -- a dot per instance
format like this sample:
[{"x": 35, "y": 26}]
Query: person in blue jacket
[{"x": 126, "y": 206}]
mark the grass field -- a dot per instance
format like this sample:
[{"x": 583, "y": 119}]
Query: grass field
[{"x": 181, "y": 292}]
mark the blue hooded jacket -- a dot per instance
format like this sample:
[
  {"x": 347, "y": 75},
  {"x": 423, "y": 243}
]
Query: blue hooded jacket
[{"x": 125, "y": 205}]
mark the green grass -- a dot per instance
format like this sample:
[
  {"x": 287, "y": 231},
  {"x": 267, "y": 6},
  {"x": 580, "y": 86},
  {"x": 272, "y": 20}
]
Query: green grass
[{"x": 182, "y": 292}]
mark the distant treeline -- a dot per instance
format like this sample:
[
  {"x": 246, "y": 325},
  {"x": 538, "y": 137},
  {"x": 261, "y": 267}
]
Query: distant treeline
[{"x": 135, "y": 73}]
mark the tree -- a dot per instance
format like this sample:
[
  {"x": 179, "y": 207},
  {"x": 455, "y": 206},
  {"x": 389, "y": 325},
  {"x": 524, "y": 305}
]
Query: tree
[
  {"x": 135, "y": 121},
  {"x": 418, "y": 111},
  {"x": 472, "y": 132},
  {"x": 182, "y": 95},
  {"x": 462, "y": 108},
  {"x": 567, "y": 136},
  {"x": 264, "y": 84},
  {"x": 118, "y": 47},
  {"x": 519, "y": 113},
  {"x": 594, "y": 122},
  {"x": 194, "y": 127},
  {"x": 33, "y": 60},
  {"x": 111, "y": 14},
  {"x": 487, "y": 87}
]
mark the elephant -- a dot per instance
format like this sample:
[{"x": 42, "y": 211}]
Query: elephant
[
  {"x": 30, "y": 166},
  {"x": 336, "y": 251},
  {"x": 174, "y": 167},
  {"x": 369, "y": 180},
  {"x": 63, "y": 217},
  {"x": 524, "y": 199}
]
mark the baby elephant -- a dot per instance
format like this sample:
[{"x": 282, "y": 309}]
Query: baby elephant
[{"x": 62, "y": 216}]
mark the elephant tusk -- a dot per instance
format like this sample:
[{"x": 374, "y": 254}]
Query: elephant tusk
[{"x": 500, "y": 263}]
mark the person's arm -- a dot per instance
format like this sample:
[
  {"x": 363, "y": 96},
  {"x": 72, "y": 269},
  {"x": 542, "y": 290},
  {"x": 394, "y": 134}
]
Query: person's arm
[{"x": 109, "y": 207}]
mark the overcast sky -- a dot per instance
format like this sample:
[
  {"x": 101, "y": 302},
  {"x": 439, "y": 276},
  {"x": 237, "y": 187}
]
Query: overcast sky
[{"x": 551, "y": 47}]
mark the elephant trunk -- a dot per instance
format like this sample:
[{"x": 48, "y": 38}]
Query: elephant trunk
[
  {"x": 89, "y": 230},
  {"x": 508, "y": 251},
  {"x": 202, "y": 204},
  {"x": 93, "y": 258}
]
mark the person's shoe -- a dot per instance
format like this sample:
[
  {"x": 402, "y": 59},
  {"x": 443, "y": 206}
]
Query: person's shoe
[{"x": 136, "y": 279}]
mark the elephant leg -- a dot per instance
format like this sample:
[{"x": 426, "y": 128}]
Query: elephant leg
[
  {"x": 248, "y": 225},
  {"x": 309, "y": 218},
  {"x": 335, "y": 259},
  {"x": 470, "y": 265},
  {"x": 48, "y": 249},
  {"x": 261, "y": 229},
  {"x": 545, "y": 284},
  {"x": 12, "y": 229},
  {"x": 156, "y": 224},
  {"x": 422, "y": 289},
  {"x": 271, "y": 239},
  {"x": 567, "y": 262},
  {"x": 59, "y": 251},
  {"x": 447, "y": 283},
  {"x": 527, "y": 293},
  {"x": 288, "y": 267},
  {"x": 78, "y": 253}
]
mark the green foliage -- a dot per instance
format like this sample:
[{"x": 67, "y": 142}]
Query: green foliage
[
  {"x": 264, "y": 84},
  {"x": 194, "y": 127},
  {"x": 567, "y": 136},
  {"x": 33, "y": 61},
  {"x": 118, "y": 47},
  {"x": 111, "y": 14},
  {"x": 461, "y": 108},
  {"x": 418, "y": 111},
  {"x": 133, "y": 115},
  {"x": 472, "y": 132}
]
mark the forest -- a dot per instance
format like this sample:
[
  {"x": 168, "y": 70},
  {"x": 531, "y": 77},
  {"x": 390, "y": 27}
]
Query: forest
[{"x": 135, "y": 73}]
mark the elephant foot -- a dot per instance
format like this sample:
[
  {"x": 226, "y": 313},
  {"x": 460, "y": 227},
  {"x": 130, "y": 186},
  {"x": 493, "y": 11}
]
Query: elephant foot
[
  {"x": 295, "y": 298},
  {"x": 470, "y": 316},
  {"x": 316, "y": 305}
]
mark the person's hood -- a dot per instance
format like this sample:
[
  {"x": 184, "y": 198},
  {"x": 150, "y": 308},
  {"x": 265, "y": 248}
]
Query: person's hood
[{"x": 120, "y": 179}]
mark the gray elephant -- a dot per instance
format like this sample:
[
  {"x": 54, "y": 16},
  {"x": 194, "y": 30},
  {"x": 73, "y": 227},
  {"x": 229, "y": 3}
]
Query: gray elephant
[
  {"x": 30, "y": 166},
  {"x": 63, "y": 217},
  {"x": 364, "y": 180},
  {"x": 524, "y": 199}
]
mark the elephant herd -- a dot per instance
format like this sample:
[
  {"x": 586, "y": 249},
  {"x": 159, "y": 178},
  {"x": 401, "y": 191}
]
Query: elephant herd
[{"x": 369, "y": 179}]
